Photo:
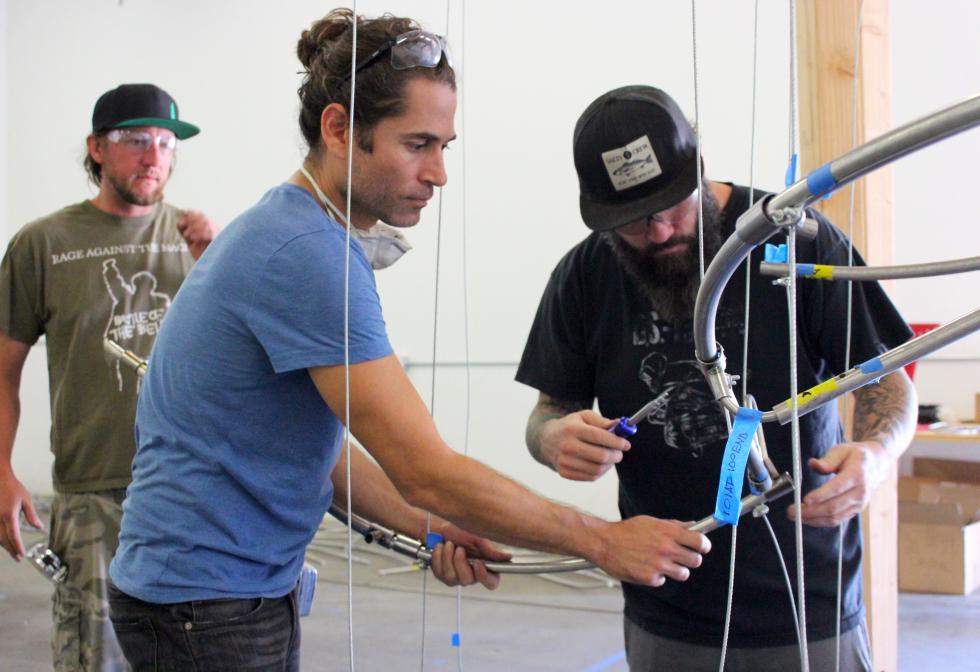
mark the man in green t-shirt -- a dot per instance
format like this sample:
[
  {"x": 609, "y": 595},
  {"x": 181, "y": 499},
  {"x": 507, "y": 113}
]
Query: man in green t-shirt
[{"x": 103, "y": 268}]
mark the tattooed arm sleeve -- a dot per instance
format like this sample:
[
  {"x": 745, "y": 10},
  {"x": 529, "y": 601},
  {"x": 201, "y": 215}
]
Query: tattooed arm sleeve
[
  {"x": 547, "y": 408},
  {"x": 886, "y": 412}
]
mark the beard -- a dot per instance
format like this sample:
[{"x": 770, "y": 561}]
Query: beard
[
  {"x": 377, "y": 193},
  {"x": 671, "y": 281},
  {"x": 130, "y": 195}
]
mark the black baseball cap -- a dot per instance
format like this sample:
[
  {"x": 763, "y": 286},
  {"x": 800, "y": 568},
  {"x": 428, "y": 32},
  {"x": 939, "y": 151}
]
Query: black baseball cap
[
  {"x": 139, "y": 105},
  {"x": 635, "y": 154}
]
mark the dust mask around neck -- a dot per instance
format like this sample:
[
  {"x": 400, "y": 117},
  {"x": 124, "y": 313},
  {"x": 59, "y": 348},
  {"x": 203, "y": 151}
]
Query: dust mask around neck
[{"x": 382, "y": 244}]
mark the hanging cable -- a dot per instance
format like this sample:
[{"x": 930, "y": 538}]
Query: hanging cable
[
  {"x": 748, "y": 259},
  {"x": 845, "y": 402},
  {"x": 432, "y": 411},
  {"x": 697, "y": 139},
  {"x": 797, "y": 459},
  {"x": 795, "y": 427},
  {"x": 700, "y": 187},
  {"x": 731, "y": 580},
  {"x": 457, "y": 635},
  {"x": 347, "y": 432},
  {"x": 745, "y": 337}
]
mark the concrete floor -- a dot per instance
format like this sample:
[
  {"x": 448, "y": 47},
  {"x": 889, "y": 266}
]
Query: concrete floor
[{"x": 528, "y": 624}]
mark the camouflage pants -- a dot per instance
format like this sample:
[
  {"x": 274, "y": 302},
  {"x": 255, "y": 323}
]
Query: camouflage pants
[{"x": 84, "y": 534}]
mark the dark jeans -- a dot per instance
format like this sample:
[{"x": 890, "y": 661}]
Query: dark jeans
[{"x": 207, "y": 635}]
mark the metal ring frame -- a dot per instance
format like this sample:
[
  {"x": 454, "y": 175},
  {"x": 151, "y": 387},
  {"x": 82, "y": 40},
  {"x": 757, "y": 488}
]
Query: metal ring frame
[{"x": 786, "y": 209}]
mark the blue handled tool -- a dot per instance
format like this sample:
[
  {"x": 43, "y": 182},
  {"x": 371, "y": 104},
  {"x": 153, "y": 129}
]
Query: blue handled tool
[{"x": 626, "y": 427}]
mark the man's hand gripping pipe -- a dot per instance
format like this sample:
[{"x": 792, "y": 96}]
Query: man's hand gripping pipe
[{"x": 413, "y": 548}]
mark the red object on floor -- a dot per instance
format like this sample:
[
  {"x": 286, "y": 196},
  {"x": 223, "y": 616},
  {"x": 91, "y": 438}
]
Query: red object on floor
[{"x": 918, "y": 328}]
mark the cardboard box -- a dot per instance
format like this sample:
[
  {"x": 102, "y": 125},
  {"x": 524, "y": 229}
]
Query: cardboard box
[{"x": 939, "y": 527}]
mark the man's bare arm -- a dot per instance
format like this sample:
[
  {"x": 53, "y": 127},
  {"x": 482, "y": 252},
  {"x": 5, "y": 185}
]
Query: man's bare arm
[
  {"x": 548, "y": 408},
  {"x": 886, "y": 412},
  {"x": 392, "y": 423},
  {"x": 884, "y": 422},
  {"x": 572, "y": 439},
  {"x": 13, "y": 496}
]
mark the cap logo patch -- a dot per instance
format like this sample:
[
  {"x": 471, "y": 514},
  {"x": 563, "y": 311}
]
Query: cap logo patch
[
  {"x": 173, "y": 111},
  {"x": 631, "y": 165}
]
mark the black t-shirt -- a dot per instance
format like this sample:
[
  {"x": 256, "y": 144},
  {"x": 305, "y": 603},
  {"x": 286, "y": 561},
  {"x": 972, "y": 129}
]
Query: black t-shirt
[{"x": 597, "y": 336}]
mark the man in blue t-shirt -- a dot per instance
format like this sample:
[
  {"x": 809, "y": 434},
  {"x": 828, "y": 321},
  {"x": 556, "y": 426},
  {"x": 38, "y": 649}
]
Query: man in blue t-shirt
[
  {"x": 614, "y": 327},
  {"x": 241, "y": 412}
]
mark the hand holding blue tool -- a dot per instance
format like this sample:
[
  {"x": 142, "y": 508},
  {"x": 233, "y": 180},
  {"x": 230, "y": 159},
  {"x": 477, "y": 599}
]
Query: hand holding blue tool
[{"x": 626, "y": 427}]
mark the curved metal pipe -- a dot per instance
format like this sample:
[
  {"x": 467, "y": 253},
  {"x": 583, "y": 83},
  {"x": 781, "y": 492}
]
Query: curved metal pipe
[
  {"x": 925, "y": 270},
  {"x": 767, "y": 216},
  {"x": 415, "y": 549}
]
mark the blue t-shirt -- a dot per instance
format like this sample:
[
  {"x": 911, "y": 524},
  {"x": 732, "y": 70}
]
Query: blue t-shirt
[{"x": 235, "y": 445}]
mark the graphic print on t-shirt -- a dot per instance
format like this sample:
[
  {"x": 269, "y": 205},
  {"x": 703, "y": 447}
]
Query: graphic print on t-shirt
[
  {"x": 691, "y": 418},
  {"x": 137, "y": 308}
]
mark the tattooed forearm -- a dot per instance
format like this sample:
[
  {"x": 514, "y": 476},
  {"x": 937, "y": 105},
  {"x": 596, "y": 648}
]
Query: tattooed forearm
[
  {"x": 885, "y": 412},
  {"x": 547, "y": 409}
]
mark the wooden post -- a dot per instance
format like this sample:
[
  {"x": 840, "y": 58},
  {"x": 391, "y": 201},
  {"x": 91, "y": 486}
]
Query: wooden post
[{"x": 827, "y": 31}]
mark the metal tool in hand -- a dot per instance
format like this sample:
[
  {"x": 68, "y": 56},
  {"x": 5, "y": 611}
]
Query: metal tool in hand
[
  {"x": 626, "y": 427},
  {"x": 44, "y": 560}
]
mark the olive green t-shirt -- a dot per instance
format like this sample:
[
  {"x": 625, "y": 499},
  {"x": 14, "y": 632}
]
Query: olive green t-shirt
[{"x": 78, "y": 276}]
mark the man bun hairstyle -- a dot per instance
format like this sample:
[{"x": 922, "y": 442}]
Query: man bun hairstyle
[{"x": 325, "y": 51}]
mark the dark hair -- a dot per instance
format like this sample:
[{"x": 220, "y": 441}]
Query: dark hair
[
  {"x": 325, "y": 52},
  {"x": 92, "y": 167}
]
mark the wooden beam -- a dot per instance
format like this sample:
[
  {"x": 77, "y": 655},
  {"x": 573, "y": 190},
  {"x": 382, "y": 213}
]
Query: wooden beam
[{"x": 827, "y": 32}]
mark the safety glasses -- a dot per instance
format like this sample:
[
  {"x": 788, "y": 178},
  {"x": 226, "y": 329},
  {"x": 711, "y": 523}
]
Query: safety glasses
[
  {"x": 414, "y": 49},
  {"x": 138, "y": 142}
]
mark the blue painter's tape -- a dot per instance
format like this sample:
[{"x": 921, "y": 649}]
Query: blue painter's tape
[
  {"x": 759, "y": 478},
  {"x": 456, "y": 639},
  {"x": 791, "y": 169},
  {"x": 433, "y": 539},
  {"x": 804, "y": 270},
  {"x": 775, "y": 254},
  {"x": 871, "y": 366},
  {"x": 736, "y": 456},
  {"x": 820, "y": 181}
]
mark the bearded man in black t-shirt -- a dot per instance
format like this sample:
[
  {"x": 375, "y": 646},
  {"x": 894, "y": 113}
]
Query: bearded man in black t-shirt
[{"x": 614, "y": 326}]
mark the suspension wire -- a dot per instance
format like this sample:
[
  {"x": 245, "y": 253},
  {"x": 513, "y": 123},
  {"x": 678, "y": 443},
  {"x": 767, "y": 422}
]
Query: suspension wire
[
  {"x": 697, "y": 139},
  {"x": 731, "y": 579},
  {"x": 432, "y": 389},
  {"x": 731, "y": 597},
  {"x": 748, "y": 259},
  {"x": 432, "y": 409},
  {"x": 797, "y": 459},
  {"x": 845, "y": 402},
  {"x": 700, "y": 187},
  {"x": 347, "y": 432},
  {"x": 793, "y": 97},
  {"x": 748, "y": 293},
  {"x": 795, "y": 426},
  {"x": 746, "y": 322},
  {"x": 457, "y": 638},
  {"x": 789, "y": 583}
]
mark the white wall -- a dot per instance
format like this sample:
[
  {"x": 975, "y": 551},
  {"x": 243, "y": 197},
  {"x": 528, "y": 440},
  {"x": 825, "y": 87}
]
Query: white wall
[
  {"x": 936, "y": 61},
  {"x": 528, "y": 68}
]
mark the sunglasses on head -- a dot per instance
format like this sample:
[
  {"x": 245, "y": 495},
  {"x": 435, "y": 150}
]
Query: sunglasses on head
[{"x": 414, "y": 49}]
